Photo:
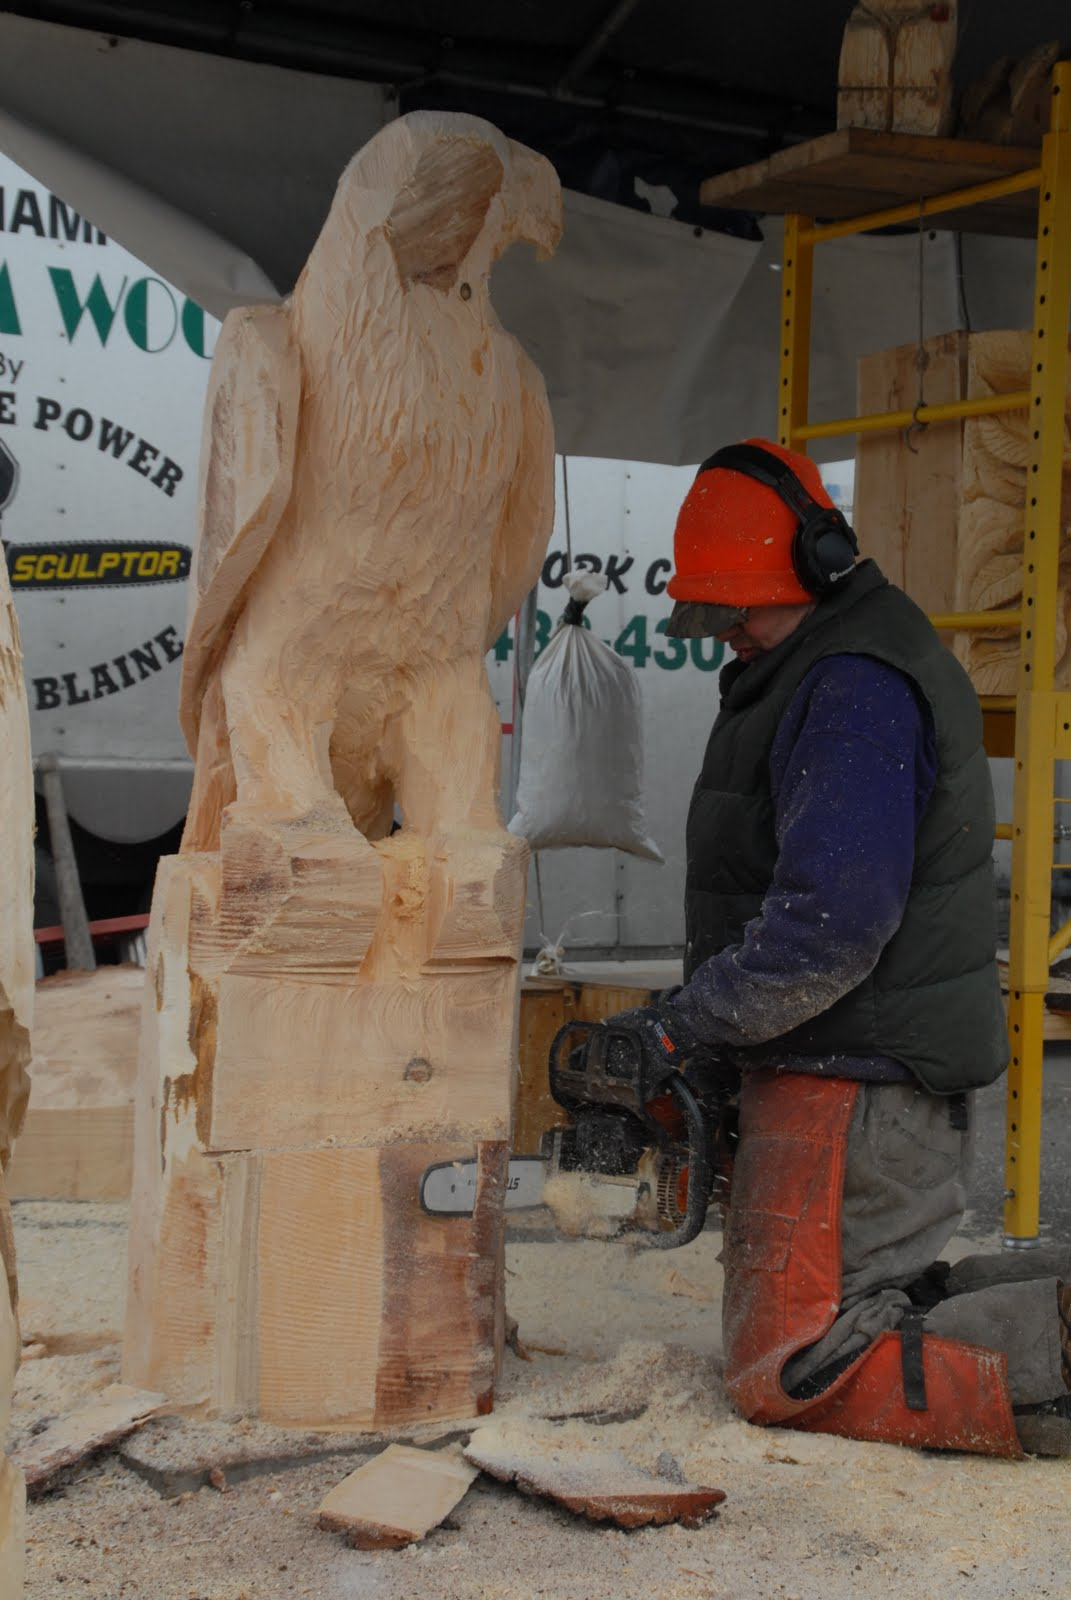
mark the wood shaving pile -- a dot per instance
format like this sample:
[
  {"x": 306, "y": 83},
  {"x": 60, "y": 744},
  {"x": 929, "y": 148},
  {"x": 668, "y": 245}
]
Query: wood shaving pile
[{"x": 807, "y": 1517}]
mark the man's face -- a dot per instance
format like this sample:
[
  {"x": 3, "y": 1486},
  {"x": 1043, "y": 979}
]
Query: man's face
[{"x": 763, "y": 629}]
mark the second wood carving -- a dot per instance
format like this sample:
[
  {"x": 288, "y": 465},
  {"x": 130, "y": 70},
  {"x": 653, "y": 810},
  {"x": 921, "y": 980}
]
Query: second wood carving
[{"x": 942, "y": 508}]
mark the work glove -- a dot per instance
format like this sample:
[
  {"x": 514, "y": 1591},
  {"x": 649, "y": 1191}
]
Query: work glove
[
  {"x": 666, "y": 1039},
  {"x": 669, "y": 1042}
]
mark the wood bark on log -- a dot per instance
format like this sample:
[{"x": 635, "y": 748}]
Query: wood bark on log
[
  {"x": 332, "y": 1005},
  {"x": 16, "y": 1010}
]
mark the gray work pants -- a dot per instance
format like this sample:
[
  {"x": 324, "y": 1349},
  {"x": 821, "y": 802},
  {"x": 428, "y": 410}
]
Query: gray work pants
[{"x": 905, "y": 1188}]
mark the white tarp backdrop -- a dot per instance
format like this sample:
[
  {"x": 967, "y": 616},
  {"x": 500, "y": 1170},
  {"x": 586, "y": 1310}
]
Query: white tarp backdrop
[
  {"x": 250, "y": 152},
  {"x": 211, "y": 271}
]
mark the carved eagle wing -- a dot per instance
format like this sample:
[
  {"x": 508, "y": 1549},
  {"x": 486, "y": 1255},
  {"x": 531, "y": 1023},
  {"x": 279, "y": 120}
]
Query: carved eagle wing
[
  {"x": 247, "y": 465},
  {"x": 528, "y": 515}
]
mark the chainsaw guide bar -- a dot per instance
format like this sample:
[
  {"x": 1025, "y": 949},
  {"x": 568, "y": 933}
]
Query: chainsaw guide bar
[{"x": 449, "y": 1188}]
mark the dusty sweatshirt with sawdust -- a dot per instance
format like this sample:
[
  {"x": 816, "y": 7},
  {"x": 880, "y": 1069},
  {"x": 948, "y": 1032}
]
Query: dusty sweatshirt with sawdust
[{"x": 924, "y": 993}]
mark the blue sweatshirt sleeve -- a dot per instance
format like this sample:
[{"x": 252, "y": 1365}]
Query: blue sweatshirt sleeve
[{"x": 852, "y": 767}]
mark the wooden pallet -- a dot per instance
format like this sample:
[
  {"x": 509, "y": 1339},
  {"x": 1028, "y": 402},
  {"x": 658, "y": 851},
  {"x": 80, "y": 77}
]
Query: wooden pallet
[{"x": 856, "y": 170}]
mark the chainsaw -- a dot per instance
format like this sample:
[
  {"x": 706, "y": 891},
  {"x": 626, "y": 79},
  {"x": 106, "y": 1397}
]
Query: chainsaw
[{"x": 639, "y": 1157}]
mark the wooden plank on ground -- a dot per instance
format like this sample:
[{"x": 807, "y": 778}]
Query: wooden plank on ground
[
  {"x": 398, "y": 1497},
  {"x": 67, "y": 1440},
  {"x": 600, "y": 1484},
  {"x": 856, "y": 170}
]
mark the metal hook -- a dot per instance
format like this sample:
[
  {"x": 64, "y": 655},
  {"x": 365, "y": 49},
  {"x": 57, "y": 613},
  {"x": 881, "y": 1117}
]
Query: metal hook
[{"x": 916, "y": 425}]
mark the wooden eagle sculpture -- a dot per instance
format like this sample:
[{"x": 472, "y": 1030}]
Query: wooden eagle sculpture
[{"x": 376, "y": 497}]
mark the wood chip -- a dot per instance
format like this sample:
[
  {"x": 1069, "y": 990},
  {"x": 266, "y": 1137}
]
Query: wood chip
[
  {"x": 600, "y": 1484},
  {"x": 118, "y": 1411},
  {"x": 676, "y": 1283},
  {"x": 397, "y": 1498}
]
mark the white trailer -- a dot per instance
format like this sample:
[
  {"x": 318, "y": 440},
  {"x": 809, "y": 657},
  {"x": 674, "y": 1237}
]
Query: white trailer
[{"x": 102, "y": 375}]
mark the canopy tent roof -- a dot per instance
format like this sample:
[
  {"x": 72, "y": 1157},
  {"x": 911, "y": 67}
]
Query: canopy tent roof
[
  {"x": 208, "y": 137},
  {"x": 612, "y": 90}
]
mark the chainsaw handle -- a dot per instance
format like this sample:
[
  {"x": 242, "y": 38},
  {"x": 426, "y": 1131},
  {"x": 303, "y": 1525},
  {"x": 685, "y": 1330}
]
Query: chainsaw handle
[{"x": 576, "y": 1086}]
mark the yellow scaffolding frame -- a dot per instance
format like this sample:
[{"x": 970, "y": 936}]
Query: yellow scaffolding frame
[{"x": 1042, "y": 714}]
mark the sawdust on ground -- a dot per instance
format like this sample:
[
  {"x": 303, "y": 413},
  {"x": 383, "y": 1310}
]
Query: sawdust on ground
[{"x": 625, "y": 1352}]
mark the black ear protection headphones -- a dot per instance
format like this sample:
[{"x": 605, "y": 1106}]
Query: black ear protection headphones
[{"x": 824, "y": 547}]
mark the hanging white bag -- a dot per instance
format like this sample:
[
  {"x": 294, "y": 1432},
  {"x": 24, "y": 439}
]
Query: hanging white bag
[{"x": 581, "y": 772}]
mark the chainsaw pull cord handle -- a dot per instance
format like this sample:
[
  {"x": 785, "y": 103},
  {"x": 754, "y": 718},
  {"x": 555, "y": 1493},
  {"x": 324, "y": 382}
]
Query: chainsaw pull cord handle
[{"x": 700, "y": 1170}]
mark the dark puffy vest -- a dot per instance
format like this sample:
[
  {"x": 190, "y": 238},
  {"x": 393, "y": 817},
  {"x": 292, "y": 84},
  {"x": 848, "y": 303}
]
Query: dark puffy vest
[{"x": 933, "y": 1000}]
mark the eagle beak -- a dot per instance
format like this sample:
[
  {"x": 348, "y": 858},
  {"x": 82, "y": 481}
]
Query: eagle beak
[{"x": 536, "y": 200}]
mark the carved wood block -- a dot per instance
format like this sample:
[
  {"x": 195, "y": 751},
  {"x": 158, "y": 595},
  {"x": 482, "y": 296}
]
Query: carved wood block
[
  {"x": 295, "y": 901},
  {"x": 908, "y": 485},
  {"x": 895, "y": 70},
  {"x": 992, "y": 528},
  {"x": 942, "y": 508},
  {"x": 380, "y": 1063},
  {"x": 414, "y": 1039},
  {"x": 280, "y": 1261}
]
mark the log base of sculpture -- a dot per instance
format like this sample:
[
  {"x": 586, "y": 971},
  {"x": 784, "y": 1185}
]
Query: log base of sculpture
[{"x": 325, "y": 1018}]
